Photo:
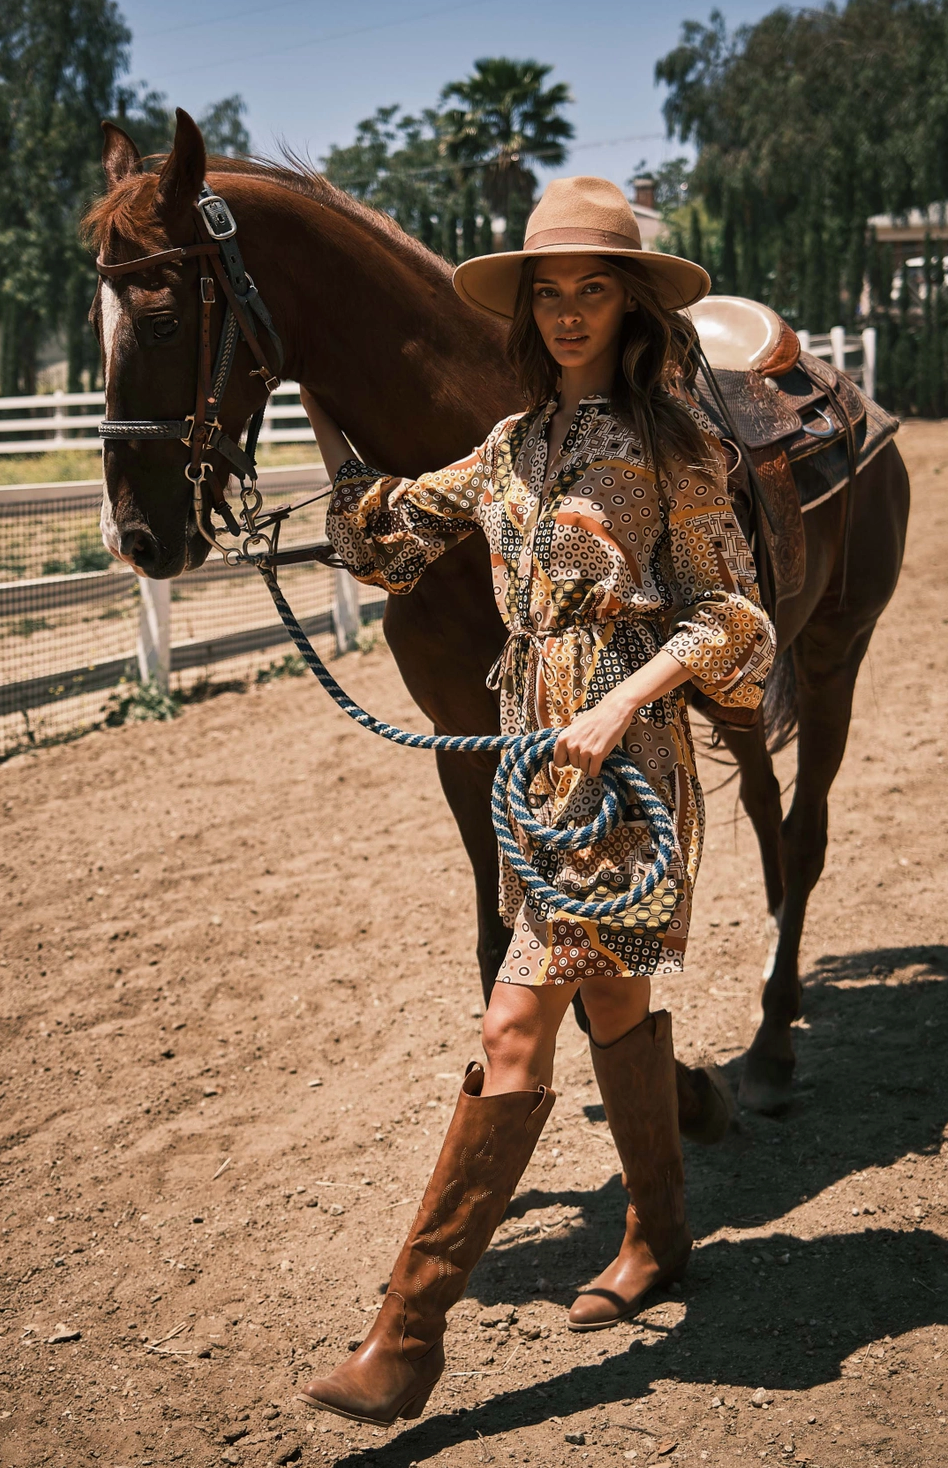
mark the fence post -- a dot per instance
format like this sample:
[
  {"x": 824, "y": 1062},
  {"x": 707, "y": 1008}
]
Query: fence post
[
  {"x": 345, "y": 612},
  {"x": 838, "y": 347},
  {"x": 869, "y": 361},
  {"x": 804, "y": 339},
  {"x": 154, "y": 632}
]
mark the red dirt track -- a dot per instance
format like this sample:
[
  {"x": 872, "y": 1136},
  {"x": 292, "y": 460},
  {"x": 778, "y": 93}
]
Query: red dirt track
[{"x": 202, "y": 919}]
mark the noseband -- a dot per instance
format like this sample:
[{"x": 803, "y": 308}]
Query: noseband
[{"x": 216, "y": 248}]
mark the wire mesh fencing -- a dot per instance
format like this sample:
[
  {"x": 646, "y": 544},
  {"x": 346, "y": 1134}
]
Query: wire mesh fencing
[{"x": 70, "y": 615}]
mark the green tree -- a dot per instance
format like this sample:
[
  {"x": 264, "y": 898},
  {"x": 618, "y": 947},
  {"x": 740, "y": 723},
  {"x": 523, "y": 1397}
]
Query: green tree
[
  {"x": 147, "y": 118},
  {"x": 805, "y": 124},
  {"x": 396, "y": 165},
  {"x": 58, "y": 64},
  {"x": 61, "y": 64},
  {"x": 506, "y": 119}
]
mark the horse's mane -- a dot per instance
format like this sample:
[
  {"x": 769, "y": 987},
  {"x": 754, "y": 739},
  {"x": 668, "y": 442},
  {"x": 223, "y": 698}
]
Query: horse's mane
[{"x": 127, "y": 210}]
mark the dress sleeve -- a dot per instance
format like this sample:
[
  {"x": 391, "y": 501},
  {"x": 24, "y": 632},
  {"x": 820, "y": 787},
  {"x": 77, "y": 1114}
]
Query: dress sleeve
[
  {"x": 719, "y": 629},
  {"x": 389, "y": 530}
]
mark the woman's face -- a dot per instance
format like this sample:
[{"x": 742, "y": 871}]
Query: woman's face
[{"x": 578, "y": 306}]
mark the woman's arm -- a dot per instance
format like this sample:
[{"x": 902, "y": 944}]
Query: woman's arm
[
  {"x": 585, "y": 742},
  {"x": 333, "y": 444}
]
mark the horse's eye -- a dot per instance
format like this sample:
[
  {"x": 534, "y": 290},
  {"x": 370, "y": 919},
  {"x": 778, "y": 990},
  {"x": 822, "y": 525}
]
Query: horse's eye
[{"x": 164, "y": 326}]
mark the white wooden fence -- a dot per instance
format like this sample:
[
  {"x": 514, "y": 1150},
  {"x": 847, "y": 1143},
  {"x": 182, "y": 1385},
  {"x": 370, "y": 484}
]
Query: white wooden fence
[
  {"x": 68, "y": 635},
  {"x": 854, "y": 355},
  {"x": 48, "y": 422}
]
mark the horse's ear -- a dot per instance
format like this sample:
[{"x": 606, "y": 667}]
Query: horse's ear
[
  {"x": 179, "y": 181},
  {"x": 120, "y": 157}
]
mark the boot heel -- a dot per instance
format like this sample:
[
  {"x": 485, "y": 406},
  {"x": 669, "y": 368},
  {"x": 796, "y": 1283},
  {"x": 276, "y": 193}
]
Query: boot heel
[{"x": 417, "y": 1405}]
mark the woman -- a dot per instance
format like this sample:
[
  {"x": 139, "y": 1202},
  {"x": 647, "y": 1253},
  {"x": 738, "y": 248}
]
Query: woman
[{"x": 621, "y": 573}]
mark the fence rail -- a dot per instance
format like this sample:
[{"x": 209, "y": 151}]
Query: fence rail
[
  {"x": 69, "y": 634},
  {"x": 854, "y": 355},
  {"x": 47, "y": 422}
]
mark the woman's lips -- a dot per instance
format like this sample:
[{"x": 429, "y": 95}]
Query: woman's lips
[{"x": 571, "y": 341}]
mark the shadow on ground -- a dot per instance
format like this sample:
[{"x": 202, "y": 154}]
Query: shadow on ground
[{"x": 870, "y": 1090}]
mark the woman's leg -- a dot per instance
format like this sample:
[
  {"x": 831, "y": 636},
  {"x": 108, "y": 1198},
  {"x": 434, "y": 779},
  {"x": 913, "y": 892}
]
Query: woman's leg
[
  {"x": 519, "y": 1033},
  {"x": 615, "y": 1006},
  {"x": 490, "y": 1141}
]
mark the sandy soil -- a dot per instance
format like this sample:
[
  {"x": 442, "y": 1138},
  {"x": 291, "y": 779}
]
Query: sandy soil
[{"x": 238, "y": 997}]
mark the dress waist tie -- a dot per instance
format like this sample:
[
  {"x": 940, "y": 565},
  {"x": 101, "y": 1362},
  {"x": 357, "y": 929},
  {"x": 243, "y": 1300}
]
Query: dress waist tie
[{"x": 524, "y": 654}]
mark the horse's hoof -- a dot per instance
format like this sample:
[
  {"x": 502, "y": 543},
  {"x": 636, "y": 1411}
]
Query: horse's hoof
[
  {"x": 705, "y": 1104},
  {"x": 766, "y": 1085}
]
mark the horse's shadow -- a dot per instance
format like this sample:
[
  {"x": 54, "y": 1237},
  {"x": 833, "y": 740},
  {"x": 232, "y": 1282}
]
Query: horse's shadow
[{"x": 871, "y": 1062}]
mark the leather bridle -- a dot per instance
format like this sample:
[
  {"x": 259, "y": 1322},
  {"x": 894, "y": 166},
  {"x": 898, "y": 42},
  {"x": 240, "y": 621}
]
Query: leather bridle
[{"x": 217, "y": 250}]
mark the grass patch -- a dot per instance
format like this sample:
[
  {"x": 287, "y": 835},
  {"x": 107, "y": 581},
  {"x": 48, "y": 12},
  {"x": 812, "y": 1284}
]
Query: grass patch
[
  {"x": 88, "y": 554},
  {"x": 26, "y": 626}
]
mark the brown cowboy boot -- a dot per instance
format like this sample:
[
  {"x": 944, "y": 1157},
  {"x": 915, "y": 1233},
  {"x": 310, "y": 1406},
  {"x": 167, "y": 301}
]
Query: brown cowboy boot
[
  {"x": 489, "y": 1143},
  {"x": 636, "y": 1076}
]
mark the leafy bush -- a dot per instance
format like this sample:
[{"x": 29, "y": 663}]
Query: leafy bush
[
  {"x": 133, "y": 703},
  {"x": 290, "y": 666}
]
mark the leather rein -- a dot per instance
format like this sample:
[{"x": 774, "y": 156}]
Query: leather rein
[{"x": 217, "y": 250}]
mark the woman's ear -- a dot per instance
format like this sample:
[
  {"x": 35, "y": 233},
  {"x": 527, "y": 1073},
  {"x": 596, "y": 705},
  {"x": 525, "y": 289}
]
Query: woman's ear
[{"x": 631, "y": 305}]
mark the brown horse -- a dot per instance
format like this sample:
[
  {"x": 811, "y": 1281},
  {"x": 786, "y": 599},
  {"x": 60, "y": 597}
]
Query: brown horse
[{"x": 371, "y": 325}]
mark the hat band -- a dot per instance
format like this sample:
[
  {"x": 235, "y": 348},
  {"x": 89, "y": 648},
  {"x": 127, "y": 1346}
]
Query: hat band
[{"x": 581, "y": 237}]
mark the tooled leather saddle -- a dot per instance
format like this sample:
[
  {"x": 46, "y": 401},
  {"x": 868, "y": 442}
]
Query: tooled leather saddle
[
  {"x": 799, "y": 431},
  {"x": 804, "y": 427}
]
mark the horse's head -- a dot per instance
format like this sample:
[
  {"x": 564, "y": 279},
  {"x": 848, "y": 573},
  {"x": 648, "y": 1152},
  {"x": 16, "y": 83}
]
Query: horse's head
[{"x": 149, "y": 323}]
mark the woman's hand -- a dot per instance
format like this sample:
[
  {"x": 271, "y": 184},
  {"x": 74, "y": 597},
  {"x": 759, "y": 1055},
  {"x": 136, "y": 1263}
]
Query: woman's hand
[
  {"x": 592, "y": 736},
  {"x": 333, "y": 444}
]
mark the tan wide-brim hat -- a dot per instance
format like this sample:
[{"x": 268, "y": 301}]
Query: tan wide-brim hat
[{"x": 578, "y": 216}]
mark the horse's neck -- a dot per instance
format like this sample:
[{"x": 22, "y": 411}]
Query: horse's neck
[{"x": 413, "y": 376}]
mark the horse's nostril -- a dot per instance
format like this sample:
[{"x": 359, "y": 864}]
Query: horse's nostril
[{"x": 139, "y": 547}]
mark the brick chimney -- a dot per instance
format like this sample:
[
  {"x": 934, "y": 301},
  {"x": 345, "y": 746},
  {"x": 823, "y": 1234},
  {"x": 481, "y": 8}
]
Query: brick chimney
[{"x": 644, "y": 187}]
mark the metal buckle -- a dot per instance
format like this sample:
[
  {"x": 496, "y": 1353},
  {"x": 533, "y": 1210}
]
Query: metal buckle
[
  {"x": 221, "y": 224},
  {"x": 207, "y": 290},
  {"x": 270, "y": 382},
  {"x": 213, "y": 430}
]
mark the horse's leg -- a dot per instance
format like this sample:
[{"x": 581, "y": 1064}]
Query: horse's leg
[
  {"x": 827, "y": 654},
  {"x": 466, "y": 781},
  {"x": 827, "y": 658},
  {"x": 760, "y": 797}
]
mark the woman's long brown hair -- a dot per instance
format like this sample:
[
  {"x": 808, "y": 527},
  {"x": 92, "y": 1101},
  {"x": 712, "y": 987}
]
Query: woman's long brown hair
[{"x": 654, "y": 349}]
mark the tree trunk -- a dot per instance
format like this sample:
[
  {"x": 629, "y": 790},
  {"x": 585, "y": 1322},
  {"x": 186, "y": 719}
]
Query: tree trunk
[
  {"x": 468, "y": 221},
  {"x": 18, "y": 352}
]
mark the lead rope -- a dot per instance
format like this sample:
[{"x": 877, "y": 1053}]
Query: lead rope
[{"x": 522, "y": 757}]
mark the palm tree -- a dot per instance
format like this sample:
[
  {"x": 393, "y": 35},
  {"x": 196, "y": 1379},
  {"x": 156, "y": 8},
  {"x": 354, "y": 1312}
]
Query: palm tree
[{"x": 505, "y": 118}]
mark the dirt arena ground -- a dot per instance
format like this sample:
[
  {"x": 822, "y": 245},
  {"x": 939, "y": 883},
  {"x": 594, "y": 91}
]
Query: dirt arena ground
[{"x": 238, "y": 997}]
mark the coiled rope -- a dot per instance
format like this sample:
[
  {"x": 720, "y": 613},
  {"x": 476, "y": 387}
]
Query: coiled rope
[{"x": 522, "y": 757}]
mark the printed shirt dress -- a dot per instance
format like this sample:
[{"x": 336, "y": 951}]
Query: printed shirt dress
[{"x": 595, "y": 568}]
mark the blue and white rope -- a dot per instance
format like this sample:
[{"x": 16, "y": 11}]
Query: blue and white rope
[{"x": 522, "y": 757}]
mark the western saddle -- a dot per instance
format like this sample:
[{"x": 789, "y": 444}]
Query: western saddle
[
  {"x": 795, "y": 429},
  {"x": 801, "y": 428}
]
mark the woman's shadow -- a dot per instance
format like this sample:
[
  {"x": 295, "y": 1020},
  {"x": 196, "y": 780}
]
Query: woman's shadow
[{"x": 778, "y": 1311}]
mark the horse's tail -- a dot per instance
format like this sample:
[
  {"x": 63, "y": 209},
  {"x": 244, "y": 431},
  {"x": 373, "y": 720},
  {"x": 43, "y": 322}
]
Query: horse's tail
[{"x": 780, "y": 703}]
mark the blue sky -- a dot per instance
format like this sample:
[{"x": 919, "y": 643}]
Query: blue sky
[{"x": 309, "y": 70}]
